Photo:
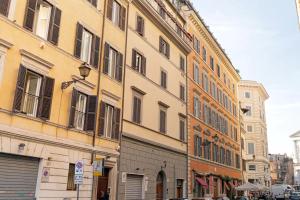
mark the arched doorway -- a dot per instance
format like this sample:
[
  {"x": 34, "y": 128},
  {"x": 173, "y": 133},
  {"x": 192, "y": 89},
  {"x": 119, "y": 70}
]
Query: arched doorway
[{"x": 160, "y": 185}]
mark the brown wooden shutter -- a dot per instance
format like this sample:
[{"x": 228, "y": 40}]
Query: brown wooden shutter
[
  {"x": 143, "y": 70},
  {"x": 78, "y": 40},
  {"x": 106, "y": 58},
  {"x": 73, "y": 108},
  {"x": 122, "y": 18},
  {"x": 196, "y": 145},
  {"x": 46, "y": 98},
  {"x": 136, "y": 117},
  {"x": 20, "y": 89},
  {"x": 102, "y": 118},
  {"x": 109, "y": 9},
  {"x": 116, "y": 124},
  {"x": 95, "y": 51},
  {"x": 160, "y": 44},
  {"x": 182, "y": 64},
  {"x": 168, "y": 51},
  {"x": 91, "y": 109},
  {"x": 54, "y": 27},
  {"x": 4, "y": 7},
  {"x": 140, "y": 25},
  {"x": 119, "y": 71},
  {"x": 133, "y": 62},
  {"x": 29, "y": 14},
  {"x": 162, "y": 120}
]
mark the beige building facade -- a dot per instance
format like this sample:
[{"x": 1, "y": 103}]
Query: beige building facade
[
  {"x": 298, "y": 9},
  {"x": 153, "y": 162},
  {"x": 252, "y": 96}
]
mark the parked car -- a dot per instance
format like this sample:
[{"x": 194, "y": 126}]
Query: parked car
[{"x": 295, "y": 196}]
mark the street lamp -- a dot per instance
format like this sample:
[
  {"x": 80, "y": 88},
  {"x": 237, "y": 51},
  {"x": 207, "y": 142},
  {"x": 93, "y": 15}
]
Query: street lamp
[
  {"x": 84, "y": 70},
  {"x": 216, "y": 138}
]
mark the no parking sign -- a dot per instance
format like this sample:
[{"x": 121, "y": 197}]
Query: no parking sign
[{"x": 78, "y": 172}]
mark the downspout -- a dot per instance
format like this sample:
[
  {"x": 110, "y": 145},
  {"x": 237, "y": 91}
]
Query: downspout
[
  {"x": 123, "y": 93},
  {"x": 95, "y": 180},
  {"x": 187, "y": 129}
]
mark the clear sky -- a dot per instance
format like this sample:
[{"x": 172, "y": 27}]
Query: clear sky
[{"x": 262, "y": 39}]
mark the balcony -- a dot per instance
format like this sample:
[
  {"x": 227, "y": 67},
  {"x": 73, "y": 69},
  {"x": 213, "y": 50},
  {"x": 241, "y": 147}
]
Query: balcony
[{"x": 165, "y": 20}]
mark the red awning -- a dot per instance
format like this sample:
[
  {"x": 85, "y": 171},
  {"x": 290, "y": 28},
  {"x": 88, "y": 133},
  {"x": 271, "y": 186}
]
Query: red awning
[{"x": 202, "y": 182}]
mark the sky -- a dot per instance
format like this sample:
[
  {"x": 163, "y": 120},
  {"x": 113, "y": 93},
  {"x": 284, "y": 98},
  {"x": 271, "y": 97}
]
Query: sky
[{"x": 262, "y": 39}]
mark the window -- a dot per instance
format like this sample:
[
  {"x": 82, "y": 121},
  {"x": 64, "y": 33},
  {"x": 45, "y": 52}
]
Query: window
[
  {"x": 196, "y": 73},
  {"x": 87, "y": 46},
  {"x": 116, "y": 13},
  {"x": 222, "y": 155},
  {"x": 83, "y": 111},
  {"x": 113, "y": 63},
  {"x": 207, "y": 149},
  {"x": 215, "y": 153},
  {"x": 182, "y": 63},
  {"x": 179, "y": 188},
  {"x": 252, "y": 167},
  {"x": 43, "y": 19},
  {"x": 212, "y": 66},
  {"x": 248, "y": 113},
  {"x": 207, "y": 114},
  {"x": 182, "y": 129},
  {"x": 218, "y": 71},
  {"x": 164, "y": 47},
  {"x": 163, "y": 79},
  {"x": 137, "y": 108},
  {"x": 30, "y": 97},
  {"x": 2, "y": 57},
  {"x": 182, "y": 92},
  {"x": 228, "y": 158},
  {"x": 214, "y": 90},
  {"x": 162, "y": 12},
  {"x": 162, "y": 119},
  {"x": 197, "y": 107},
  {"x": 109, "y": 121},
  {"x": 196, "y": 44},
  {"x": 206, "y": 84},
  {"x": 4, "y": 8},
  {"x": 140, "y": 25},
  {"x": 251, "y": 148},
  {"x": 247, "y": 95},
  {"x": 93, "y": 2},
  {"x": 197, "y": 145},
  {"x": 249, "y": 128},
  {"x": 80, "y": 110},
  {"x": 204, "y": 54},
  {"x": 108, "y": 126},
  {"x": 71, "y": 173},
  {"x": 224, "y": 77},
  {"x": 235, "y": 134},
  {"x": 138, "y": 62}
]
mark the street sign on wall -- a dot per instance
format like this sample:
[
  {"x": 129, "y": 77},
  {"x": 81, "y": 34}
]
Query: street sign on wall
[
  {"x": 78, "y": 177},
  {"x": 98, "y": 166}
]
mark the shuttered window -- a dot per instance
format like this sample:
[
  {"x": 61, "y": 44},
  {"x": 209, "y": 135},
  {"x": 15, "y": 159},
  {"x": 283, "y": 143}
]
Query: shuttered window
[
  {"x": 113, "y": 63},
  {"x": 197, "y": 107},
  {"x": 138, "y": 62},
  {"x": 71, "y": 173},
  {"x": 83, "y": 111},
  {"x": 4, "y": 7},
  {"x": 196, "y": 44},
  {"x": 44, "y": 19},
  {"x": 182, "y": 92},
  {"x": 182, "y": 64},
  {"x": 87, "y": 46},
  {"x": 164, "y": 47},
  {"x": 251, "y": 148},
  {"x": 222, "y": 155},
  {"x": 237, "y": 161},
  {"x": 182, "y": 129},
  {"x": 196, "y": 73},
  {"x": 219, "y": 71},
  {"x": 116, "y": 13},
  {"x": 136, "y": 111},
  {"x": 140, "y": 25},
  {"x": 162, "y": 119},
  {"x": 212, "y": 65},
  {"x": 109, "y": 121},
  {"x": 215, "y": 153},
  {"x": 204, "y": 54},
  {"x": 207, "y": 150},
  {"x": 197, "y": 146},
  {"x": 33, "y": 95},
  {"x": 163, "y": 79}
]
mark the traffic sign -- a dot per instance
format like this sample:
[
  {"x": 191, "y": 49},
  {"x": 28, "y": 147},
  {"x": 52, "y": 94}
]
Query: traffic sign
[
  {"x": 78, "y": 179},
  {"x": 79, "y": 167}
]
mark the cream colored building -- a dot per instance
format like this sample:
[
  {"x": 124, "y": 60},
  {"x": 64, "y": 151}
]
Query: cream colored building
[
  {"x": 298, "y": 9},
  {"x": 153, "y": 162},
  {"x": 253, "y": 96},
  {"x": 44, "y": 128}
]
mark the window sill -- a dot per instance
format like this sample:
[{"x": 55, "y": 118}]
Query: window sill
[
  {"x": 107, "y": 138},
  {"x": 112, "y": 79}
]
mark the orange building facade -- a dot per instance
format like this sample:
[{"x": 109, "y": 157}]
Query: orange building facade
[{"x": 214, "y": 154}]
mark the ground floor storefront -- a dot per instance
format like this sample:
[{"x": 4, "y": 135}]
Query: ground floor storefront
[
  {"x": 150, "y": 171},
  {"x": 41, "y": 169},
  {"x": 211, "y": 180}
]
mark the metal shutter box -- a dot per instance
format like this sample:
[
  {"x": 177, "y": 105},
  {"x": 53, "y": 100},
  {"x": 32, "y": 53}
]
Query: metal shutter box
[
  {"x": 18, "y": 177},
  {"x": 134, "y": 186}
]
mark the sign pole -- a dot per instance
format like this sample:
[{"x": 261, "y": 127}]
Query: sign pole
[{"x": 77, "y": 191}]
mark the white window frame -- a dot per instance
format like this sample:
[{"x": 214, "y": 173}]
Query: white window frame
[
  {"x": 138, "y": 61},
  {"x": 43, "y": 33},
  {"x": 2, "y": 60},
  {"x": 86, "y": 47},
  {"x": 76, "y": 120},
  {"x": 12, "y": 9},
  {"x": 37, "y": 94},
  {"x": 108, "y": 122},
  {"x": 116, "y": 7},
  {"x": 113, "y": 61}
]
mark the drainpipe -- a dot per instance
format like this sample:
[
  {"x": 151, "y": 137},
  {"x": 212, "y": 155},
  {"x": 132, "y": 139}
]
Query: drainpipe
[
  {"x": 95, "y": 179},
  {"x": 123, "y": 92}
]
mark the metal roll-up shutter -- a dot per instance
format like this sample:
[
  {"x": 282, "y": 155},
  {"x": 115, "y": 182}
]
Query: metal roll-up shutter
[
  {"x": 134, "y": 186},
  {"x": 18, "y": 177}
]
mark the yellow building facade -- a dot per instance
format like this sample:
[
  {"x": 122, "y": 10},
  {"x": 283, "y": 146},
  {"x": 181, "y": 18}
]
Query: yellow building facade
[{"x": 47, "y": 128}]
